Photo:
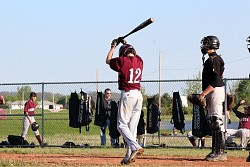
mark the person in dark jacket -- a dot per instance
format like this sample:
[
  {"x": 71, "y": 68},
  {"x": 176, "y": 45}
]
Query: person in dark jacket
[{"x": 107, "y": 110}]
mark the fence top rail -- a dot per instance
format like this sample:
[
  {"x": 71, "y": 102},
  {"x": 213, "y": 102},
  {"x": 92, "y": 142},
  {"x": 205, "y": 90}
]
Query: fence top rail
[
  {"x": 92, "y": 82},
  {"x": 18, "y": 114}
]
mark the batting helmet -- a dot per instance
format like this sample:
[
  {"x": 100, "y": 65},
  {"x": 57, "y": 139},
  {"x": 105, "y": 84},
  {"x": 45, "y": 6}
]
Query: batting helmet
[
  {"x": 125, "y": 49},
  {"x": 209, "y": 42}
]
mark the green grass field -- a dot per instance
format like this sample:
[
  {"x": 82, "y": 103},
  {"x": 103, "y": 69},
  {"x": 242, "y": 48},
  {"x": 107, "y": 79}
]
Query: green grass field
[
  {"x": 56, "y": 128},
  {"x": 57, "y": 131}
]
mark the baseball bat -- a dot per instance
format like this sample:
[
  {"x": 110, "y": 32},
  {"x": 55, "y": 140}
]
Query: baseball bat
[{"x": 139, "y": 27}]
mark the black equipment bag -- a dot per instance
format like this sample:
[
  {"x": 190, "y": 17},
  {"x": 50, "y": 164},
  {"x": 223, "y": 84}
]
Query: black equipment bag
[
  {"x": 17, "y": 140},
  {"x": 177, "y": 113},
  {"x": 85, "y": 113},
  {"x": 200, "y": 125},
  {"x": 100, "y": 115},
  {"x": 74, "y": 110},
  {"x": 141, "y": 124},
  {"x": 113, "y": 132},
  {"x": 153, "y": 114},
  {"x": 80, "y": 113}
]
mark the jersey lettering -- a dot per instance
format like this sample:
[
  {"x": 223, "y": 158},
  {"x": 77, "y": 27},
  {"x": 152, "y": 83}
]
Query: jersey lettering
[{"x": 135, "y": 79}]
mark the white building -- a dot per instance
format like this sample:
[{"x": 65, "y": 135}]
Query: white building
[{"x": 47, "y": 105}]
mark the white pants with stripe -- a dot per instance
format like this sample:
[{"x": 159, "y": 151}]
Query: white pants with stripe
[
  {"x": 26, "y": 125},
  {"x": 214, "y": 105},
  {"x": 129, "y": 112}
]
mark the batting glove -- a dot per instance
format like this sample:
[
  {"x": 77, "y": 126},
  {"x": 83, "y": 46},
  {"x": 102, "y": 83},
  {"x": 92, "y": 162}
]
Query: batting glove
[
  {"x": 114, "y": 43},
  {"x": 121, "y": 40}
]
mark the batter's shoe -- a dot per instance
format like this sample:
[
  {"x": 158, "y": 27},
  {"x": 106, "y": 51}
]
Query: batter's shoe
[
  {"x": 135, "y": 153},
  {"x": 140, "y": 151},
  {"x": 126, "y": 162},
  {"x": 248, "y": 158}
]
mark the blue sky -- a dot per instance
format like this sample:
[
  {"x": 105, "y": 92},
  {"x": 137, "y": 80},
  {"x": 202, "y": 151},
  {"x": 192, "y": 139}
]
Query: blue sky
[{"x": 68, "y": 40}]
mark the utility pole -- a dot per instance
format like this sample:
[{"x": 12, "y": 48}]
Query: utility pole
[
  {"x": 159, "y": 102},
  {"x": 97, "y": 71}
]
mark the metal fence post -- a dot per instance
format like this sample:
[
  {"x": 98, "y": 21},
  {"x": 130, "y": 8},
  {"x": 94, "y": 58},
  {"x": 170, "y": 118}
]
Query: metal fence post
[{"x": 42, "y": 113}]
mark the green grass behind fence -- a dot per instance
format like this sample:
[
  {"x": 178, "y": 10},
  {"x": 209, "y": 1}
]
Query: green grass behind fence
[{"x": 57, "y": 130}]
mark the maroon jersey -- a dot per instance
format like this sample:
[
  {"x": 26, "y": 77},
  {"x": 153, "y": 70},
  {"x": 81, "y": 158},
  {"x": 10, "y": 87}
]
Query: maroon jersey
[
  {"x": 129, "y": 71},
  {"x": 244, "y": 118},
  {"x": 30, "y": 107}
]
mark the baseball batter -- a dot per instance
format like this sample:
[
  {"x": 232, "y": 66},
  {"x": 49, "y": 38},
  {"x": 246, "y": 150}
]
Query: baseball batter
[
  {"x": 129, "y": 66},
  {"x": 214, "y": 91}
]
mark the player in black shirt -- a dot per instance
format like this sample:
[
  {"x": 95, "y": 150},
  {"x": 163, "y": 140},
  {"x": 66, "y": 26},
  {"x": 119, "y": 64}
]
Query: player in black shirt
[{"x": 214, "y": 91}]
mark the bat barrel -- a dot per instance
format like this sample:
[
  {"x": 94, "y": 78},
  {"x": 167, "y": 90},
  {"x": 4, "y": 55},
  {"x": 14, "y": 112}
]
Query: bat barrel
[{"x": 141, "y": 26}]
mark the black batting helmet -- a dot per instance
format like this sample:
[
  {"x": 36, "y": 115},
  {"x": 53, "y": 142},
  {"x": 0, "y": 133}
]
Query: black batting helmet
[
  {"x": 209, "y": 42},
  {"x": 125, "y": 49}
]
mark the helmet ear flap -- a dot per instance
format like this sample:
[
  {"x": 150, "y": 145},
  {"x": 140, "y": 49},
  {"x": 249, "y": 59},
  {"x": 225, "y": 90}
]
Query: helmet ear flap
[
  {"x": 204, "y": 50},
  {"x": 204, "y": 45}
]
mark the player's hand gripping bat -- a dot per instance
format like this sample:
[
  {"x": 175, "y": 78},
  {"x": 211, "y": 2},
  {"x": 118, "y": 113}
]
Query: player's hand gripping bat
[{"x": 139, "y": 27}]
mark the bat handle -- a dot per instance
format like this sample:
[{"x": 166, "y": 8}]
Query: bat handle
[{"x": 122, "y": 40}]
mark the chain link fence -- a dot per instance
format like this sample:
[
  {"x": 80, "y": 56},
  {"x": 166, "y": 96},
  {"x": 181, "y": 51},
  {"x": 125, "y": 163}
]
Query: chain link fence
[{"x": 52, "y": 112}]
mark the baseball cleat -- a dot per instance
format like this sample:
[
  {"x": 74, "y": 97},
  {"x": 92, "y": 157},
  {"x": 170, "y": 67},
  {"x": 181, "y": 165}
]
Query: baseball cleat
[
  {"x": 140, "y": 151},
  {"x": 126, "y": 162},
  {"x": 217, "y": 157},
  {"x": 248, "y": 158},
  {"x": 135, "y": 153}
]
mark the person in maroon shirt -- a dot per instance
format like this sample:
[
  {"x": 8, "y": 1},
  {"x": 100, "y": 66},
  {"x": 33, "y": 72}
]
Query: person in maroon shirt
[
  {"x": 243, "y": 130},
  {"x": 129, "y": 67},
  {"x": 29, "y": 111}
]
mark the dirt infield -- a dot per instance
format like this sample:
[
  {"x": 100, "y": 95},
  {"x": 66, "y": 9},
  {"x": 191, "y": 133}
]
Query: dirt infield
[{"x": 92, "y": 160}]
